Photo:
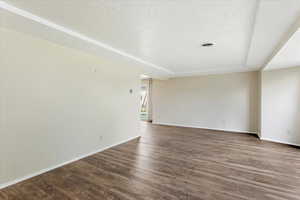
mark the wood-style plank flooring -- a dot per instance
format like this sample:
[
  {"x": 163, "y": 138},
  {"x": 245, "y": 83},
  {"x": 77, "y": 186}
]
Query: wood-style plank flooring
[{"x": 174, "y": 163}]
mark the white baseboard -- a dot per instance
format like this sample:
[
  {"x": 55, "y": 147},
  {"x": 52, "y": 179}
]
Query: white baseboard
[
  {"x": 208, "y": 128},
  {"x": 279, "y": 141},
  {"x": 4, "y": 185}
]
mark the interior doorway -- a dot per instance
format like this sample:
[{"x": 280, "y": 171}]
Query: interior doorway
[{"x": 145, "y": 100}]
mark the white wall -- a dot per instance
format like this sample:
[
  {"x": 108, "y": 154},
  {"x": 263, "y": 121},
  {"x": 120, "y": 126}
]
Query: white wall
[
  {"x": 228, "y": 102},
  {"x": 57, "y": 104},
  {"x": 281, "y": 105}
]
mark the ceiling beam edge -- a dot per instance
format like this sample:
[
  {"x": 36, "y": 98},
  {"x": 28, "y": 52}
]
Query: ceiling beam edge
[
  {"x": 254, "y": 21},
  {"x": 77, "y": 35}
]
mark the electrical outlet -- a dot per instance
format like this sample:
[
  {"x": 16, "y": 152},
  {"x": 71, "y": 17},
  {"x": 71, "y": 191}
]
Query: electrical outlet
[
  {"x": 93, "y": 69},
  {"x": 100, "y": 138}
]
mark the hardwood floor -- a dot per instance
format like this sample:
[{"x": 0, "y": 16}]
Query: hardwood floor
[{"x": 174, "y": 163}]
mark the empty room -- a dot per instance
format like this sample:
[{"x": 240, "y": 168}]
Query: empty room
[{"x": 149, "y": 100}]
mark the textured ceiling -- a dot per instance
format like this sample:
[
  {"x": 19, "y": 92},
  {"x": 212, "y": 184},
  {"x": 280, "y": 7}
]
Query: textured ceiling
[{"x": 166, "y": 36}]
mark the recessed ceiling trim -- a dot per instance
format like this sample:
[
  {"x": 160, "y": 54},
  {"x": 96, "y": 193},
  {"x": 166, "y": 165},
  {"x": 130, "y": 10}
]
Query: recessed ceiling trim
[{"x": 73, "y": 33}]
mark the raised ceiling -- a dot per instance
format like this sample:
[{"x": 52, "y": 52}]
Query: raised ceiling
[
  {"x": 288, "y": 55},
  {"x": 166, "y": 35},
  {"x": 276, "y": 21}
]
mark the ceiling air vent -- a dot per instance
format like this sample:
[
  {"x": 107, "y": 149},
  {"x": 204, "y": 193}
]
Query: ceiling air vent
[{"x": 207, "y": 44}]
